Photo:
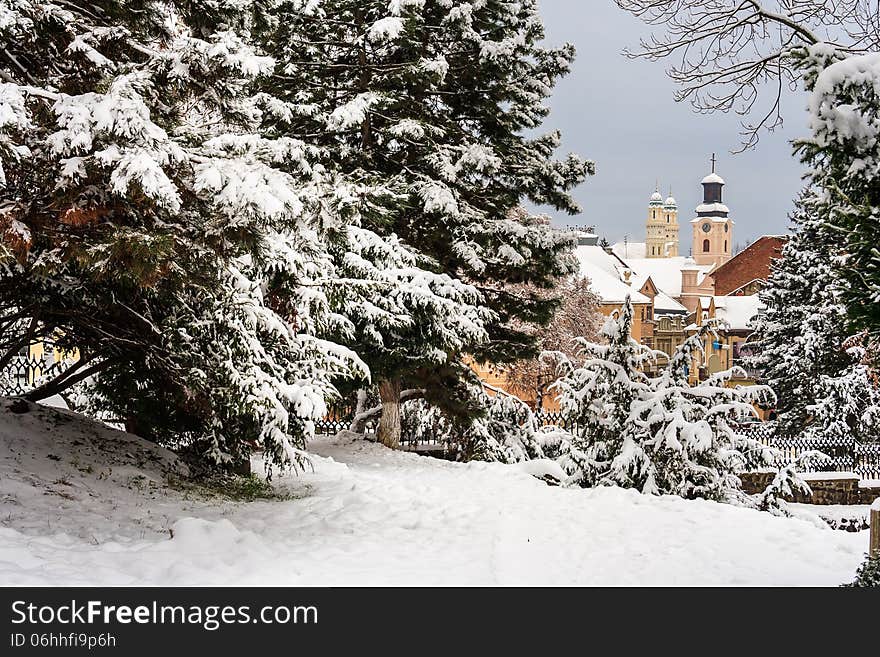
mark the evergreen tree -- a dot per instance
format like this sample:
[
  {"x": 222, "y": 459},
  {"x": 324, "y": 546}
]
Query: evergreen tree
[
  {"x": 425, "y": 105},
  {"x": 844, "y": 155},
  {"x": 799, "y": 336},
  {"x": 401, "y": 316},
  {"x": 142, "y": 213},
  {"x": 659, "y": 435},
  {"x": 847, "y": 405},
  {"x": 817, "y": 339},
  {"x": 598, "y": 398}
]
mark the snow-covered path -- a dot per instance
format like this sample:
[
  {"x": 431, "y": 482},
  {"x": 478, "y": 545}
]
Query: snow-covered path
[{"x": 370, "y": 516}]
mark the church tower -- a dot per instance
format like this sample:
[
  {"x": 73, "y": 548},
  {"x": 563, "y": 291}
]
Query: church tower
[
  {"x": 670, "y": 212},
  {"x": 662, "y": 227},
  {"x": 713, "y": 228}
]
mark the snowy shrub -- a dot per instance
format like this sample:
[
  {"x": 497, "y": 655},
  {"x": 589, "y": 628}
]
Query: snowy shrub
[
  {"x": 659, "y": 435},
  {"x": 868, "y": 574},
  {"x": 787, "y": 482},
  {"x": 505, "y": 429}
]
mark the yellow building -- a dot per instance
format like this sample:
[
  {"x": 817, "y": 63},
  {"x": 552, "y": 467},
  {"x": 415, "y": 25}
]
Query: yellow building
[{"x": 662, "y": 227}]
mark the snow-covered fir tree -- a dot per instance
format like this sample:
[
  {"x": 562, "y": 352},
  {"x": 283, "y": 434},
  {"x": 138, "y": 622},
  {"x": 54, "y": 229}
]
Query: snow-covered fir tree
[
  {"x": 427, "y": 106},
  {"x": 659, "y": 435},
  {"x": 161, "y": 220},
  {"x": 843, "y": 152},
  {"x": 799, "y": 336},
  {"x": 847, "y": 404},
  {"x": 598, "y": 397},
  {"x": 403, "y": 317},
  {"x": 817, "y": 339},
  {"x": 142, "y": 212}
]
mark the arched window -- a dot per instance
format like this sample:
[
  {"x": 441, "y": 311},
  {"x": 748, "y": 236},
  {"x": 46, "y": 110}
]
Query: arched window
[
  {"x": 705, "y": 246},
  {"x": 725, "y": 246},
  {"x": 667, "y": 218}
]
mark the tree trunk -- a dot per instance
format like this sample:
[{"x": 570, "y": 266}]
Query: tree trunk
[
  {"x": 389, "y": 424},
  {"x": 358, "y": 425}
]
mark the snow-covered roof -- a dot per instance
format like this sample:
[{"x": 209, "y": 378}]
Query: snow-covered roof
[
  {"x": 627, "y": 250},
  {"x": 604, "y": 272},
  {"x": 713, "y": 207},
  {"x": 670, "y": 202},
  {"x": 713, "y": 178},
  {"x": 656, "y": 197},
  {"x": 596, "y": 256},
  {"x": 665, "y": 272},
  {"x": 663, "y": 303},
  {"x": 738, "y": 311}
]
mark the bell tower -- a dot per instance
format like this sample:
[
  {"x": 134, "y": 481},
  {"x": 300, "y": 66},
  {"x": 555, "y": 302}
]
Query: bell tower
[
  {"x": 655, "y": 235},
  {"x": 662, "y": 227},
  {"x": 670, "y": 215},
  {"x": 712, "y": 227}
]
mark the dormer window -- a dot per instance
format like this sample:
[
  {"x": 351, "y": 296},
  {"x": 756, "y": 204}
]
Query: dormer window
[{"x": 705, "y": 246}]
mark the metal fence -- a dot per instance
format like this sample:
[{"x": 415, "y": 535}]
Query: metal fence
[
  {"x": 844, "y": 455},
  {"x": 554, "y": 419},
  {"x": 23, "y": 373}
]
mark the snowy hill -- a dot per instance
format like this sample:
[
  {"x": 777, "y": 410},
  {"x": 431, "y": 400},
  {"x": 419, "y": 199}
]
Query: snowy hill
[
  {"x": 99, "y": 511},
  {"x": 61, "y": 472}
]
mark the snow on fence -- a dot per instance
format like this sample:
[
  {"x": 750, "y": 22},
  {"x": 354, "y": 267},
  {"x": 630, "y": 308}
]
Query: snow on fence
[{"x": 845, "y": 455}]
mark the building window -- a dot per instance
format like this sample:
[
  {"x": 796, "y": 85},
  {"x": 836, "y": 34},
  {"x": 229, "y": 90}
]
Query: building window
[
  {"x": 725, "y": 246},
  {"x": 705, "y": 246}
]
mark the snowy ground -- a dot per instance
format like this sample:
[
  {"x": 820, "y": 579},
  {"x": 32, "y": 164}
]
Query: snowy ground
[{"x": 100, "y": 513}]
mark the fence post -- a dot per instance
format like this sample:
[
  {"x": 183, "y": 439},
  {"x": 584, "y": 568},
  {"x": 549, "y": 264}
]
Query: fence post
[{"x": 875, "y": 527}]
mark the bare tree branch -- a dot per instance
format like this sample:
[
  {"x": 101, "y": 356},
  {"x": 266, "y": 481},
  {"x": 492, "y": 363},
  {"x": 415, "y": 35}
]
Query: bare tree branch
[
  {"x": 577, "y": 317},
  {"x": 736, "y": 55}
]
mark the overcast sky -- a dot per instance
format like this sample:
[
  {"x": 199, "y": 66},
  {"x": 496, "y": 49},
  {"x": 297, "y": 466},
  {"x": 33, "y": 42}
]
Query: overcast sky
[{"x": 621, "y": 114}]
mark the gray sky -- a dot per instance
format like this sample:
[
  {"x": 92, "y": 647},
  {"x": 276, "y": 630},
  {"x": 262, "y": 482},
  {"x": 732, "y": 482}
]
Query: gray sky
[{"x": 621, "y": 113}]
